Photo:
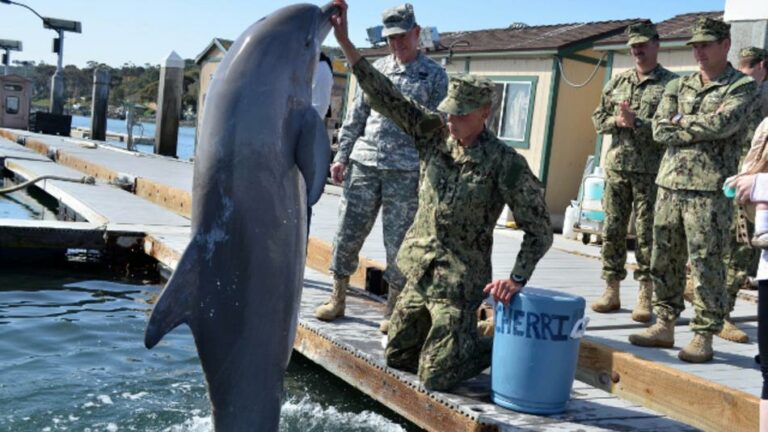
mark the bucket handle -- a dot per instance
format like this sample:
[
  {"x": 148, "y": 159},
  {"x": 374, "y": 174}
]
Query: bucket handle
[{"x": 578, "y": 330}]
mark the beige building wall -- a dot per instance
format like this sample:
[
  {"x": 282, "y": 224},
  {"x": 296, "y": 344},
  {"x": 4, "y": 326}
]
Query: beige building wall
[
  {"x": 679, "y": 60},
  {"x": 573, "y": 136},
  {"x": 510, "y": 67},
  {"x": 507, "y": 67},
  {"x": 207, "y": 70}
]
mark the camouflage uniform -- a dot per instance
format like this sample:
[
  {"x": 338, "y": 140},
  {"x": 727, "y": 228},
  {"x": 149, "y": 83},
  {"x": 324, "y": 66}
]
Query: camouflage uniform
[
  {"x": 631, "y": 162},
  {"x": 701, "y": 126},
  {"x": 382, "y": 167},
  {"x": 446, "y": 254},
  {"x": 741, "y": 258}
]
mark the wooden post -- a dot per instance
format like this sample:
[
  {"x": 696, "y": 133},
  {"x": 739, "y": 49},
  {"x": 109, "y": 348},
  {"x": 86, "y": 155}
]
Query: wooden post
[
  {"x": 169, "y": 105},
  {"x": 101, "y": 79}
]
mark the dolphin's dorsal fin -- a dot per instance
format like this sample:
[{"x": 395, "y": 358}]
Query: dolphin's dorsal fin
[
  {"x": 175, "y": 304},
  {"x": 313, "y": 154}
]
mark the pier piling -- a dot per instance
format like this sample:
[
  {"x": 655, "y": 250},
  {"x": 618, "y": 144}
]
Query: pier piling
[
  {"x": 169, "y": 105},
  {"x": 101, "y": 77}
]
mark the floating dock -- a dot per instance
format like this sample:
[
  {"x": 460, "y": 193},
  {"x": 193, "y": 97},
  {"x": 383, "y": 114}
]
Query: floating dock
[{"x": 142, "y": 202}]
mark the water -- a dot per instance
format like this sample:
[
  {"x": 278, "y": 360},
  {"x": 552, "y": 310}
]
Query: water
[
  {"x": 72, "y": 358},
  {"x": 185, "y": 148},
  {"x": 31, "y": 203}
]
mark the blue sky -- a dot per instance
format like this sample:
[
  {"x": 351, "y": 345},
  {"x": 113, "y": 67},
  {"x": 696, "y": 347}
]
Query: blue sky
[{"x": 146, "y": 31}]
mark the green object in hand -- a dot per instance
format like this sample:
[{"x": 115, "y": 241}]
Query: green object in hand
[{"x": 729, "y": 191}]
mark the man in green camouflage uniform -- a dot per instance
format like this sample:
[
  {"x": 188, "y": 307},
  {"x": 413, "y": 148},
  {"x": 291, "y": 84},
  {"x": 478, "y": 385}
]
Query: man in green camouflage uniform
[
  {"x": 467, "y": 175},
  {"x": 626, "y": 108},
  {"x": 701, "y": 120},
  {"x": 379, "y": 164},
  {"x": 741, "y": 258}
]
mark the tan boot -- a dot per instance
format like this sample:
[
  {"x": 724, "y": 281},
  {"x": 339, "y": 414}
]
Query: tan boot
[
  {"x": 699, "y": 350},
  {"x": 334, "y": 308},
  {"x": 661, "y": 334},
  {"x": 732, "y": 333},
  {"x": 642, "y": 311},
  {"x": 486, "y": 327},
  {"x": 688, "y": 294},
  {"x": 609, "y": 301},
  {"x": 392, "y": 296}
]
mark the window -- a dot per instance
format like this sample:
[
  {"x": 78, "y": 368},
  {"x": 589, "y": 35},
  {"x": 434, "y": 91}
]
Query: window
[
  {"x": 512, "y": 110},
  {"x": 12, "y": 105},
  {"x": 13, "y": 87}
]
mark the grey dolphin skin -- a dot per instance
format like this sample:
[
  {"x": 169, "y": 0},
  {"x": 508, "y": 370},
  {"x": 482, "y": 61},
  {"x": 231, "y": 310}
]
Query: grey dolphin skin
[{"x": 262, "y": 158}]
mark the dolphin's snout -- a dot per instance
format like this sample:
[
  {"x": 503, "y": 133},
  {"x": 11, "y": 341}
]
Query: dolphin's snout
[{"x": 327, "y": 11}]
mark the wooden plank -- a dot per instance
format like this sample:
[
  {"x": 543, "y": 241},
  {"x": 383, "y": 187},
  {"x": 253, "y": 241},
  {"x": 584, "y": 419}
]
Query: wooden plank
[
  {"x": 414, "y": 404},
  {"x": 319, "y": 258},
  {"x": 683, "y": 396},
  {"x": 174, "y": 199}
]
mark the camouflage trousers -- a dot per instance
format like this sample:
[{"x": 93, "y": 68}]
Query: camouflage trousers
[
  {"x": 740, "y": 258},
  {"x": 436, "y": 337},
  {"x": 366, "y": 190},
  {"x": 625, "y": 191},
  {"x": 691, "y": 225}
]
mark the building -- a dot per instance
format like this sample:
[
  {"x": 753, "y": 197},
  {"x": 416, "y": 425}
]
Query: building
[
  {"x": 15, "y": 101},
  {"x": 549, "y": 80}
]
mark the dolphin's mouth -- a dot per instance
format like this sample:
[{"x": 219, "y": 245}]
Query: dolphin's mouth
[{"x": 325, "y": 26}]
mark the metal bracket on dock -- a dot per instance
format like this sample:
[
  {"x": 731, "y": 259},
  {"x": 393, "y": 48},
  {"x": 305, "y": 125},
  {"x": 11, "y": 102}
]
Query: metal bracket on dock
[
  {"x": 125, "y": 181},
  {"x": 53, "y": 153}
]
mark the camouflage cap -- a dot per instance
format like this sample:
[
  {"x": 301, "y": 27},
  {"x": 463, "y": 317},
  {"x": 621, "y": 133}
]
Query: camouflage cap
[
  {"x": 641, "y": 32},
  {"x": 753, "y": 53},
  {"x": 466, "y": 93},
  {"x": 398, "y": 20},
  {"x": 706, "y": 29}
]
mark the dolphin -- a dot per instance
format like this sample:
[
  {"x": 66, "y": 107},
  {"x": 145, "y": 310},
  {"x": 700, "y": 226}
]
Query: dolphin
[{"x": 262, "y": 158}]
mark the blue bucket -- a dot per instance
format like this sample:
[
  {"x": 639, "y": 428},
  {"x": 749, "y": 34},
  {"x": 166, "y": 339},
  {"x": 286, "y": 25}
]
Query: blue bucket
[{"x": 536, "y": 349}]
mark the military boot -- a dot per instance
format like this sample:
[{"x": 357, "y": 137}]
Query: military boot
[
  {"x": 699, "y": 350},
  {"x": 394, "y": 293},
  {"x": 661, "y": 334},
  {"x": 486, "y": 327},
  {"x": 334, "y": 308},
  {"x": 688, "y": 294},
  {"x": 609, "y": 301},
  {"x": 642, "y": 310},
  {"x": 732, "y": 333}
]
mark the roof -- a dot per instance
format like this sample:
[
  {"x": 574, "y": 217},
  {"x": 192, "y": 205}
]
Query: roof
[
  {"x": 222, "y": 44},
  {"x": 523, "y": 38},
  {"x": 677, "y": 28}
]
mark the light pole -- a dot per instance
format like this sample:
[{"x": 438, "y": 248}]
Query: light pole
[
  {"x": 8, "y": 46},
  {"x": 57, "y": 81}
]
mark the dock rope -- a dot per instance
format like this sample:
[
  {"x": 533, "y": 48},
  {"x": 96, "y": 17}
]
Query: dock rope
[{"x": 85, "y": 180}]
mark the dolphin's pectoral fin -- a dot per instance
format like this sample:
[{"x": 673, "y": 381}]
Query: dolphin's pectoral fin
[
  {"x": 313, "y": 154},
  {"x": 174, "y": 306}
]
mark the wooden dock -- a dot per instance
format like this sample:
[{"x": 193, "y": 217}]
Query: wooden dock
[{"x": 145, "y": 200}]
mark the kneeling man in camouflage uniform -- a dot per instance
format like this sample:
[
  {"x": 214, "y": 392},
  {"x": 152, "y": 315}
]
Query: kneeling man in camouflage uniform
[
  {"x": 466, "y": 177},
  {"x": 701, "y": 120}
]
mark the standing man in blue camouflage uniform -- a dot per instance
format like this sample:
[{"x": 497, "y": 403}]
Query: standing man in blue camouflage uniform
[
  {"x": 467, "y": 176},
  {"x": 741, "y": 258},
  {"x": 378, "y": 162},
  {"x": 626, "y": 108},
  {"x": 701, "y": 120}
]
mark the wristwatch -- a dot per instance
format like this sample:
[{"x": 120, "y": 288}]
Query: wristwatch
[
  {"x": 638, "y": 123},
  {"x": 519, "y": 279}
]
